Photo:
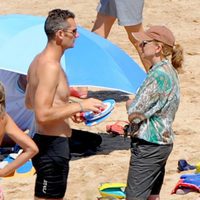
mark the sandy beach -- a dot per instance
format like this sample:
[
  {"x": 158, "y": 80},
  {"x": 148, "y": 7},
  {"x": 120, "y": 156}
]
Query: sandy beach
[{"x": 111, "y": 163}]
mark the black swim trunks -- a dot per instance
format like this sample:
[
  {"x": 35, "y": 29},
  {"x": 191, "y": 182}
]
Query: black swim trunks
[{"x": 51, "y": 165}]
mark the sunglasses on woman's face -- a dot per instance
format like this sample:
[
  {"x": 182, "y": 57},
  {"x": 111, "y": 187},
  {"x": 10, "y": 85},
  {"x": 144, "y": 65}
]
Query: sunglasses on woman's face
[{"x": 144, "y": 42}]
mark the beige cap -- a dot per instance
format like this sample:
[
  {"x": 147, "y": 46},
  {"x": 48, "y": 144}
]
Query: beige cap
[{"x": 159, "y": 33}]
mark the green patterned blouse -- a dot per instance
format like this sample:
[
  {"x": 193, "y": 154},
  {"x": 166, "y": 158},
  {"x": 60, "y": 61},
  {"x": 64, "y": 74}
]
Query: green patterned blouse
[{"x": 156, "y": 103}]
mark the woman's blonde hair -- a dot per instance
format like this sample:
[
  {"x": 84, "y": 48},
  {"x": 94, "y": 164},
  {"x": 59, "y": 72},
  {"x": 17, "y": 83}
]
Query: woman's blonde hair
[
  {"x": 176, "y": 53},
  {"x": 2, "y": 99}
]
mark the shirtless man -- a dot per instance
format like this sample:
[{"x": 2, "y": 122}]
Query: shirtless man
[{"x": 47, "y": 95}]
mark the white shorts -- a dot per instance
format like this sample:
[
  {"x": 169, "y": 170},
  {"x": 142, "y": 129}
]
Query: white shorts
[{"x": 128, "y": 12}]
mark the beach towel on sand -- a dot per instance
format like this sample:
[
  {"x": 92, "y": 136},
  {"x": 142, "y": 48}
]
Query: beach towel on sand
[
  {"x": 84, "y": 143},
  {"x": 188, "y": 181}
]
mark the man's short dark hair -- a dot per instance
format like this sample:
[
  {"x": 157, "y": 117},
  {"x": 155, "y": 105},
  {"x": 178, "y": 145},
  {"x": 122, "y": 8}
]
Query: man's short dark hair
[{"x": 55, "y": 21}]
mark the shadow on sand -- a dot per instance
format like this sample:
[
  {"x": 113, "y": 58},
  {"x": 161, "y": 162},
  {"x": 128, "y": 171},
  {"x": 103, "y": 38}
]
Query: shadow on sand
[
  {"x": 118, "y": 96},
  {"x": 109, "y": 144}
]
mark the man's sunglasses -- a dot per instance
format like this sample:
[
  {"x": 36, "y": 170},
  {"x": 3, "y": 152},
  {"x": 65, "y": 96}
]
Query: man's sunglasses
[{"x": 73, "y": 32}]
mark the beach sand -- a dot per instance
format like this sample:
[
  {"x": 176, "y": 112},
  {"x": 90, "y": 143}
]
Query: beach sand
[{"x": 111, "y": 163}]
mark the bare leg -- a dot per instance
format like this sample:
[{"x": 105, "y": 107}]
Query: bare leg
[
  {"x": 154, "y": 197},
  {"x": 103, "y": 25},
  {"x": 130, "y": 30}
]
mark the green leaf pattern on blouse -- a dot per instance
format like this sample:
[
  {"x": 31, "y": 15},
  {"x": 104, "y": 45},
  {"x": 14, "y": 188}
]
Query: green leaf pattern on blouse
[{"x": 157, "y": 100}]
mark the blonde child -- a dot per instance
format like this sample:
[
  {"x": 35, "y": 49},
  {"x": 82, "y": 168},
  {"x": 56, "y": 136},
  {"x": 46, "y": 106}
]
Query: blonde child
[{"x": 24, "y": 141}]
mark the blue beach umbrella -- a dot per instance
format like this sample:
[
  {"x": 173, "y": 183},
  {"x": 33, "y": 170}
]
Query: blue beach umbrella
[{"x": 94, "y": 61}]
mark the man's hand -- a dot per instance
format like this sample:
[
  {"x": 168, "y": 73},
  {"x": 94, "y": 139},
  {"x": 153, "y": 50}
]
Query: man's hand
[{"x": 92, "y": 104}]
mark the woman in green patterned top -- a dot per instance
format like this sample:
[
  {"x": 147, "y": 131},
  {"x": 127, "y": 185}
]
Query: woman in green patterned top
[{"x": 153, "y": 111}]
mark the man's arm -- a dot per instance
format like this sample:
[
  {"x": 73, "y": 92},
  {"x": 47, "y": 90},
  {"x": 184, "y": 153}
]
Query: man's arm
[{"x": 44, "y": 98}]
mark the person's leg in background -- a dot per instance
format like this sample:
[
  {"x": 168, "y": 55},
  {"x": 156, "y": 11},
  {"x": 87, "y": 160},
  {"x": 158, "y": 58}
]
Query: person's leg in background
[
  {"x": 103, "y": 24},
  {"x": 129, "y": 14},
  {"x": 106, "y": 16},
  {"x": 130, "y": 30}
]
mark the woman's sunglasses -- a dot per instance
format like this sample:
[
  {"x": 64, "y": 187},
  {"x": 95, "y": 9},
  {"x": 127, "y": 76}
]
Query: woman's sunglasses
[{"x": 144, "y": 42}]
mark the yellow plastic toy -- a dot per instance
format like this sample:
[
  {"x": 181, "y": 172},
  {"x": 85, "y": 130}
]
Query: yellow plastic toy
[{"x": 115, "y": 190}]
